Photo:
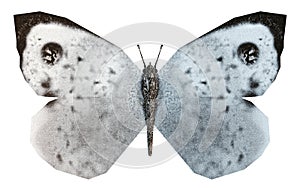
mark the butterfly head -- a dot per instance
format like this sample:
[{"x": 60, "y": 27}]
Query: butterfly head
[{"x": 150, "y": 69}]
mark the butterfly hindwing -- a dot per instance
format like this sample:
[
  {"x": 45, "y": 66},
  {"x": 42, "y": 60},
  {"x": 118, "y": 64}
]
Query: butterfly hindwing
[
  {"x": 83, "y": 131},
  {"x": 239, "y": 59}
]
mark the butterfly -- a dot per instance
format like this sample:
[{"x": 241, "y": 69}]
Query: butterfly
[{"x": 103, "y": 100}]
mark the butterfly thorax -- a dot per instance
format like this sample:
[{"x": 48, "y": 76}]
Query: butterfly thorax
[
  {"x": 150, "y": 88},
  {"x": 150, "y": 82}
]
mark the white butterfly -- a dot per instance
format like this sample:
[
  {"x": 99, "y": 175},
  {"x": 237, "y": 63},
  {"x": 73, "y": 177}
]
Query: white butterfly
[{"x": 100, "y": 105}]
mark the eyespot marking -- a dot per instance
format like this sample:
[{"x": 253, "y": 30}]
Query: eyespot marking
[
  {"x": 51, "y": 53},
  {"x": 248, "y": 53}
]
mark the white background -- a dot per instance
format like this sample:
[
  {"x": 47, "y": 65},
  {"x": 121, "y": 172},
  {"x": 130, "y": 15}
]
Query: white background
[{"x": 21, "y": 166}]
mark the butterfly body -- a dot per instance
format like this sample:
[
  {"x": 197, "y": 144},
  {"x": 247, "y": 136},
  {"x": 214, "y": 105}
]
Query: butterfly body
[{"x": 150, "y": 88}]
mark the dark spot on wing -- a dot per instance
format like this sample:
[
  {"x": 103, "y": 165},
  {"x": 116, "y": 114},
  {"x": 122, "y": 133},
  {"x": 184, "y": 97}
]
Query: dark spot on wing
[
  {"x": 96, "y": 82},
  {"x": 79, "y": 97},
  {"x": 240, "y": 158},
  {"x": 66, "y": 66},
  {"x": 72, "y": 109},
  {"x": 103, "y": 115},
  {"x": 111, "y": 71},
  {"x": 227, "y": 78},
  {"x": 229, "y": 163},
  {"x": 67, "y": 143},
  {"x": 203, "y": 82},
  {"x": 253, "y": 84},
  {"x": 59, "y": 158},
  {"x": 85, "y": 164},
  {"x": 220, "y": 59},
  {"x": 221, "y": 97},
  {"x": 213, "y": 164},
  {"x": 227, "y": 109},
  {"x": 241, "y": 129},
  {"x": 59, "y": 128},
  {"x": 188, "y": 71},
  {"x": 228, "y": 90},
  {"x": 46, "y": 84},
  {"x": 232, "y": 143},
  {"x": 79, "y": 59},
  {"x": 233, "y": 66}
]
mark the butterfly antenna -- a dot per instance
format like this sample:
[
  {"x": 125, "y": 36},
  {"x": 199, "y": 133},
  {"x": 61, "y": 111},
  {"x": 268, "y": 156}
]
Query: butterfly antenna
[
  {"x": 141, "y": 55},
  {"x": 158, "y": 56}
]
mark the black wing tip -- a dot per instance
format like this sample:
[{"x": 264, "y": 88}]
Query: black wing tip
[
  {"x": 25, "y": 22},
  {"x": 275, "y": 22}
]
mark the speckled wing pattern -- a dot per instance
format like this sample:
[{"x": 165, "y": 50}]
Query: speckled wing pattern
[
  {"x": 224, "y": 133},
  {"x": 80, "y": 132},
  {"x": 201, "y": 111}
]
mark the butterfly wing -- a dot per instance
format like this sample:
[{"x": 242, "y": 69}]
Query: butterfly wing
[
  {"x": 211, "y": 126},
  {"x": 97, "y": 112}
]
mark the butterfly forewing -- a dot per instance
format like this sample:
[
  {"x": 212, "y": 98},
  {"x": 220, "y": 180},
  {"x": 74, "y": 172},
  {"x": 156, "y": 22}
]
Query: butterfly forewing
[
  {"x": 223, "y": 133},
  {"x": 91, "y": 122}
]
